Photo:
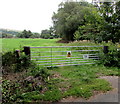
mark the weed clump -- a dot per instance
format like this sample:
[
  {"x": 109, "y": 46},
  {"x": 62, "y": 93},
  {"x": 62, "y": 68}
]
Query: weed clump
[{"x": 12, "y": 64}]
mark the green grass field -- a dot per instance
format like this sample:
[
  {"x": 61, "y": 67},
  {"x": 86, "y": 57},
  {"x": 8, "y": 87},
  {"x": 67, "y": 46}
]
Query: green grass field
[
  {"x": 78, "y": 81},
  {"x": 10, "y": 44}
]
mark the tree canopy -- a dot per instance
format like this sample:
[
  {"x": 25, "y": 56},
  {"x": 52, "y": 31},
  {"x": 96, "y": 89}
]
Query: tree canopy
[
  {"x": 70, "y": 15},
  {"x": 28, "y": 34},
  {"x": 81, "y": 20}
]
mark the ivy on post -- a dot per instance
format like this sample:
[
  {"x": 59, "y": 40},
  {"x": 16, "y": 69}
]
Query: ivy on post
[
  {"x": 27, "y": 51},
  {"x": 105, "y": 49},
  {"x": 17, "y": 53}
]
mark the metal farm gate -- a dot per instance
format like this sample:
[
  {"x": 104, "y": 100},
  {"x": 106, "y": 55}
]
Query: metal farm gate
[{"x": 55, "y": 56}]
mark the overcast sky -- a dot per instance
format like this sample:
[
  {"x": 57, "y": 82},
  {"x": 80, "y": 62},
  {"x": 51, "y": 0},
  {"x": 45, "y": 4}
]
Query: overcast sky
[{"x": 34, "y": 15}]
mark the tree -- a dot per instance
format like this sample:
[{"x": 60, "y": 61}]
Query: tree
[
  {"x": 5, "y": 35},
  {"x": 102, "y": 23},
  {"x": 69, "y": 17},
  {"x": 116, "y": 18},
  {"x": 110, "y": 11},
  {"x": 49, "y": 33},
  {"x": 25, "y": 34},
  {"x": 29, "y": 34},
  {"x": 36, "y": 35},
  {"x": 92, "y": 25},
  {"x": 45, "y": 34}
]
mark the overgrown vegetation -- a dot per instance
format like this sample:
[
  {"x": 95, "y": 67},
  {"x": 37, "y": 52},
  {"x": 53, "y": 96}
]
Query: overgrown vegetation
[
  {"x": 36, "y": 86},
  {"x": 26, "y": 77},
  {"x": 110, "y": 59},
  {"x": 16, "y": 90},
  {"x": 10, "y": 63}
]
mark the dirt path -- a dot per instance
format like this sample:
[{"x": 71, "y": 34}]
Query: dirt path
[{"x": 110, "y": 96}]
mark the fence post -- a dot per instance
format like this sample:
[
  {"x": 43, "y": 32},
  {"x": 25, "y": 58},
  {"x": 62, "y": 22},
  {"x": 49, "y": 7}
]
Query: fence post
[
  {"x": 27, "y": 51},
  {"x": 17, "y": 53},
  {"x": 105, "y": 49}
]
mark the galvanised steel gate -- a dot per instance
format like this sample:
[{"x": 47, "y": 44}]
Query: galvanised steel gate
[{"x": 55, "y": 56}]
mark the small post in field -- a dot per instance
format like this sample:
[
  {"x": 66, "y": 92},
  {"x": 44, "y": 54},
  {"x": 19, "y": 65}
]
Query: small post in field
[
  {"x": 27, "y": 51},
  {"x": 105, "y": 49}
]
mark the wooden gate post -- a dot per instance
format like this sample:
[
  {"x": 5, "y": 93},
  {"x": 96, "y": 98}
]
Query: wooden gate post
[
  {"x": 27, "y": 51},
  {"x": 105, "y": 49}
]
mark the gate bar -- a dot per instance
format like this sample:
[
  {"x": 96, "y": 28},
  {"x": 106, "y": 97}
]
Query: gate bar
[{"x": 64, "y": 46}]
